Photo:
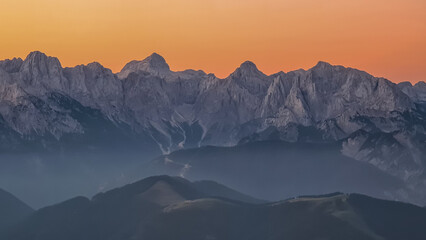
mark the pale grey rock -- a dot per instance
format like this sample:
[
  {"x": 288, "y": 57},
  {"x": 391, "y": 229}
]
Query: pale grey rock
[
  {"x": 40, "y": 74},
  {"x": 11, "y": 65},
  {"x": 376, "y": 120},
  {"x": 248, "y": 77},
  {"x": 417, "y": 92},
  {"x": 146, "y": 94},
  {"x": 97, "y": 87},
  {"x": 154, "y": 64}
]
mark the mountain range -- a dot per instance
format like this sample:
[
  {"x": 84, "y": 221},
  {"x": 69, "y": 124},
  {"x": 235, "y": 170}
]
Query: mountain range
[
  {"x": 147, "y": 110},
  {"x": 276, "y": 170},
  {"x": 164, "y": 207}
]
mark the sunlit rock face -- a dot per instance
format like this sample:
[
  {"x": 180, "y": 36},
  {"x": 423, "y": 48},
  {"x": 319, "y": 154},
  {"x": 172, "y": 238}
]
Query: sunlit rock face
[{"x": 374, "y": 120}]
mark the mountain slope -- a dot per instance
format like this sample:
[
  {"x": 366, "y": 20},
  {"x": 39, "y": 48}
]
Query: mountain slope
[
  {"x": 170, "y": 208},
  {"x": 161, "y": 104},
  {"x": 114, "y": 214},
  {"x": 12, "y": 210},
  {"x": 277, "y": 170},
  {"x": 213, "y": 189},
  {"x": 147, "y": 109}
]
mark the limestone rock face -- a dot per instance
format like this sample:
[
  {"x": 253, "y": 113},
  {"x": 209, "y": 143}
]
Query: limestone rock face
[
  {"x": 40, "y": 73},
  {"x": 97, "y": 87},
  {"x": 147, "y": 96},
  {"x": 154, "y": 64},
  {"x": 371, "y": 117},
  {"x": 416, "y": 92}
]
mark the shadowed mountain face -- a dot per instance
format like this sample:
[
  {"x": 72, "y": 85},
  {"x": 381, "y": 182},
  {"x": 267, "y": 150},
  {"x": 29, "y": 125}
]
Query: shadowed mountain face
[
  {"x": 174, "y": 208},
  {"x": 121, "y": 213},
  {"x": 88, "y": 123},
  {"x": 12, "y": 210},
  {"x": 276, "y": 170}
]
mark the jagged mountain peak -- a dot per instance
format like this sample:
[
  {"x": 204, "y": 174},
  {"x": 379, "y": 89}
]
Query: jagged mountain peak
[
  {"x": 156, "y": 61},
  {"x": 323, "y": 64},
  {"x": 15, "y": 59},
  {"x": 248, "y": 69},
  {"x": 250, "y": 78},
  {"x": 327, "y": 69},
  {"x": 154, "y": 64},
  {"x": 420, "y": 84},
  {"x": 37, "y": 56},
  {"x": 11, "y": 65},
  {"x": 40, "y": 61},
  {"x": 40, "y": 72},
  {"x": 248, "y": 65},
  {"x": 279, "y": 74},
  {"x": 405, "y": 84},
  {"x": 93, "y": 66},
  {"x": 156, "y": 58},
  {"x": 172, "y": 110},
  {"x": 96, "y": 66},
  {"x": 416, "y": 92}
]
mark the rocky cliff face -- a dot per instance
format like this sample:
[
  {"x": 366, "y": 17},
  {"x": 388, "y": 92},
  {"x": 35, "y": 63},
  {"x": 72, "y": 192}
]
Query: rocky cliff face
[
  {"x": 376, "y": 120},
  {"x": 416, "y": 92}
]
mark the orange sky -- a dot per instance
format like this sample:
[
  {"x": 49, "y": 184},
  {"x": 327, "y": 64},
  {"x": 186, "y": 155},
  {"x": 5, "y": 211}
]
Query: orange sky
[{"x": 384, "y": 37}]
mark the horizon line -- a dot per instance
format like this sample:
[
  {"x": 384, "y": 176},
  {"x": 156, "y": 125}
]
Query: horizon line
[{"x": 207, "y": 73}]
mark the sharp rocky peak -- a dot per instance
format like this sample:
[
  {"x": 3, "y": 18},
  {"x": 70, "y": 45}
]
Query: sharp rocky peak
[
  {"x": 154, "y": 64},
  {"x": 248, "y": 65},
  {"x": 421, "y": 85},
  {"x": 322, "y": 64},
  {"x": 40, "y": 61},
  {"x": 405, "y": 84},
  {"x": 248, "y": 68},
  {"x": 11, "y": 65},
  {"x": 40, "y": 73},
  {"x": 95, "y": 66},
  {"x": 324, "y": 67},
  {"x": 156, "y": 61},
  {"x": 37, "y": 56}
]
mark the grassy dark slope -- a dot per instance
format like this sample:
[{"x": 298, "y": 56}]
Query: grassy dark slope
[
  {"x": 164, "y": 208},
  {"x": 215, "y": 189},
  {"x": 12, "y": 210},
  {"x": 390, "y": 219},
  {"x": 119, "y": 213}
]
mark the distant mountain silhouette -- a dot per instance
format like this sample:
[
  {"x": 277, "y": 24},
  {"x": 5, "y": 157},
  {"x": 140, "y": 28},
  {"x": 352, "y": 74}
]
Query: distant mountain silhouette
[
  {"x": 277, "y": 170},
  {"x": 86, "y": 116},
  {"x": 173, "y": 208}
]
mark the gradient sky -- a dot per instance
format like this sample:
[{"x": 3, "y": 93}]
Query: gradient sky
[{"x": 384, "y": 37}]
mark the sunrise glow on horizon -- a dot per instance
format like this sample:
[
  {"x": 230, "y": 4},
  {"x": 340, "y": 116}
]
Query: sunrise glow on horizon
[{"x": 384, "y": 38}]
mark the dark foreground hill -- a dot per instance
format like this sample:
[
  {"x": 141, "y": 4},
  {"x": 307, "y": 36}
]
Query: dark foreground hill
[
  {"x": 174, "y": 208},
  {"x": 12, "y": 210}
]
